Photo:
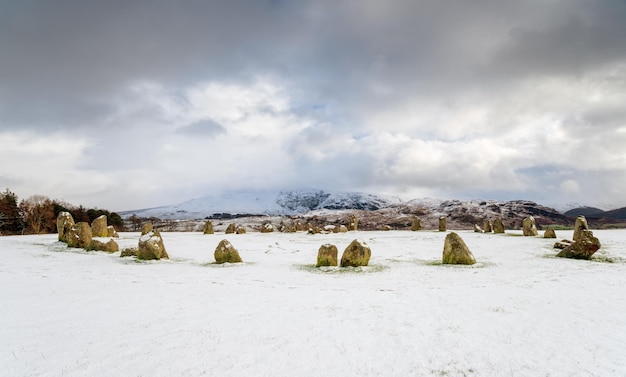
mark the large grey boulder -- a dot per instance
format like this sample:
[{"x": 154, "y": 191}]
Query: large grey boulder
[
  {"x": 226, "y": 253},
  {"x": 455, "y": 251},
  {"x": 79, "y": 235},
  {"x": 528, "y": 227},
  {"x": 356, "y": 254},
  {"x": 64, "y": 224},
  {"x": 327, "y": 255},
  {"x": 99, "y": 227},
  {"x": 151, "y": 246}
]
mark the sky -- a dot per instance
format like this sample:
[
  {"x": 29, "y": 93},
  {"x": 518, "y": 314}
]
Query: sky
[{"x": 133, "y": 104}]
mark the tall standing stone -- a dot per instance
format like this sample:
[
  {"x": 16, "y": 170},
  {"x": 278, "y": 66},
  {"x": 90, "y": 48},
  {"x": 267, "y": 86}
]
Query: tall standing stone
[
  {"x": 208, "y": 228},
  {"x": 327, "y": 255},
  {"x": 111, "y": 232},
  {"x": 64, "y": 224},
  {"x": 579, "y": 227},
  {"x": 232, "y": 227},
  {"x": 416, "y": 224},
  {"x": 354, "y": 223},
  {"x": 583, "y": 248},
  {"x": 356, "y": 254},
  {"x": 79, "y": 235},
  {"x": 99, "y": 227},
  {"x": 498, "y": 226},
  {"x": 455, "y": 251},
  {"x": 528, "y": 227},
  {"x": 487, "y": 228},
  {"x": 442, "y": 223}
]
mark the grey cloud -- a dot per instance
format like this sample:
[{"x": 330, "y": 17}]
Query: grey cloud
[{"x": 203, "y": 128}]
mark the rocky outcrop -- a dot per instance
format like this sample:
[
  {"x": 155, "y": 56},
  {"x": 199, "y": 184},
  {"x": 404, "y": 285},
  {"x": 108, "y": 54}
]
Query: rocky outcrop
[
  {"x": 226, "y": 253},
  {"x": 583, "y": 248},
  {"x": 455, "y": 251},
  {"x": 528, "y": 227},
  {"x": 99, "y": 227},
  {"x": 498, "y": 226},
  {"x": 356, "y": 254},
  {"x": 208, "y": 228},
  {"x": 442, "y": 223},
  {"x": 64, "y": 224},
  {"x": 151, "y": 246},
  {"x": 549, "y": 233},
  {"x": 109, "y": 247},
  {"x": 79, "y": 235},
  {"x": 327, "y": 255},
  {"x": 416, "y": 224}
]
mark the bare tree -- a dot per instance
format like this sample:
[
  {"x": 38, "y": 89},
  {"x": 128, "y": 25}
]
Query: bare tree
[{"x": 38, "y": 213}]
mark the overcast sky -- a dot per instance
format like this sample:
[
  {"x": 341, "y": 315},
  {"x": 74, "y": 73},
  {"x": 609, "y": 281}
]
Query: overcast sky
[{"x": 133, "y": 103}]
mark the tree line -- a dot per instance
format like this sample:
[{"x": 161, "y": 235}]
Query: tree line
[{"x": 38, "y": 214}]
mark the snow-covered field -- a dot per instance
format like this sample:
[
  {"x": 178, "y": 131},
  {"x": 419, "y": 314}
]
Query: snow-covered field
[{"x": 519, "y": 312}]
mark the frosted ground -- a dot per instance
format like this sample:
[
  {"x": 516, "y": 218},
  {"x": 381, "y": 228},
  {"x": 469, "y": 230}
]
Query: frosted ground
[{"x": 519, "y": 312}]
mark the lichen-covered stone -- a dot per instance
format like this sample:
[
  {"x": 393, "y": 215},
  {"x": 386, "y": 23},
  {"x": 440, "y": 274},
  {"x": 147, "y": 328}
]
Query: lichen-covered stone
[
  {"x": 208, "y": 228},
  {"x": 64, "y": 224},
  {"x": 549, "y": 233},
  {"x": 528, "y": 227},
  {"x": 583, "y": 248},
  {"x": 299, "y": 226},
  {"x": 99, "y": 227},
  {"x": 442, "y": 223},
  {"x": 356, "y": 254},
  {"x": 226, "y": 253},
  {"x": 267, "y": 228},
  {"x": 354, "y": 223},
  {"x": 129, "y": 252},
  {"x": 146, "y": 228},
  {"x": 79, "y": 235},
  {"x": 231, "y": 228},
  {"x": 498, "y": 226},
  {"x": 111, "y": 232},
  {"x": 580, "y": 226},
  {"x": 416, "y": 224},
  {"x": 455, "y": 251},
  {"x": 327, "y": 255},
  {"x": 342, "y": 229},
  {"x": 240, "y": 230},
  {"x": 109, "y": 247},
  {"x": 487, "y": 227},
  {"x": 151, "y": 246}
]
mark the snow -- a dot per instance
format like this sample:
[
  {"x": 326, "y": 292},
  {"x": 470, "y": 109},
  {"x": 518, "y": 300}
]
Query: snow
[{"x": 518, "y": 312}]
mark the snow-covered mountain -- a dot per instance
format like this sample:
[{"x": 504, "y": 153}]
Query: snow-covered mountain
[{"x": 266, "y": 203}]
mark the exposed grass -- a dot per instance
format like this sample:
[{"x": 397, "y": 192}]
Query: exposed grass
[{"x": 342, "y": 270}]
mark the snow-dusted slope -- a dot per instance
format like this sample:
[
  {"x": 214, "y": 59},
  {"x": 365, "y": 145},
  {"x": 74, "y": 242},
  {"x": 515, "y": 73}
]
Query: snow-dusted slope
[{"x": 266, "y": 203}]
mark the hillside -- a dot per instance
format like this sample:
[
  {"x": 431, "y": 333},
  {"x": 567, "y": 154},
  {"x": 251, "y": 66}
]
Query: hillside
[{"x": 596, "y": 213}]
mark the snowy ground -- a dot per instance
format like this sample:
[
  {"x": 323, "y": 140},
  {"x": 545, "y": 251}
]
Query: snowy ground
[{"x": 519, "y": 312}]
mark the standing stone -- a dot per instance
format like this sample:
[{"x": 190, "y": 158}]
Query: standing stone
[
  {"x": 583, "y": 248},
  {"x": 109, "y": 247},
  {"x": 416, "y": 224},
  {"x": 267, "y": 228},
  {"x": 151, "y": 246},
  {"x": 64, "y": 224},
  {"x": 299, "y": 226},
  {"x": 487, "y": 228},
  {"x": 342, "y": 229},
  {"x": 498, "y": 226},
  {"x": 111, "y": 232},
  {"x": 208, "y": 228},
  {"x": 79, "y": 235},
  {"x": 99, "y": 227},
  {"x": 226, "y": 253},
  {"x": 146, "y": 228},
  {"x": 129, "y": 252},
  {"x": 528, "y": 227},
  {"x": 549, "y": 233},
  {"x": 442, "y": 223},
  {"x": 579, "y": 227},
  {"x": 231, "y": 228},
  {"x": 455, "y": 251},
  {"x": 356, "y": 254},
  {"x": 327, "y": 255},
  {"x": 477, "y": 229},
  {"x": 240, "y": 229},
  {"x": 354, "y": 223}
]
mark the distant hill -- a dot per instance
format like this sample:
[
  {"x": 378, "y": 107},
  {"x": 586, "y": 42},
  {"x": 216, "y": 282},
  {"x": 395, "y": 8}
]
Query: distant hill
[{"x": 592, "y": 212}]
